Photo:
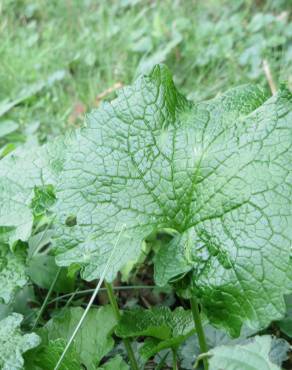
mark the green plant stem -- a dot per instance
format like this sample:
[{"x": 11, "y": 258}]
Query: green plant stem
[
  {"x": 86, "y": 291},
  {"x": 70, "y": 299},
  {"x": 174, "y": 358},
  {"x": 199, "y": 329},
  {"x": 46, "y": 299},
  {"x": 115, "y": 307}
]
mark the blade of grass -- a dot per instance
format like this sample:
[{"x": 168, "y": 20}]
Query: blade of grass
[
  {"x": 162, "y": 362},
  {"x": 45, "y": 302},
  {"x": 269, "y": 77},
  {"x": 69, "y": 300}
]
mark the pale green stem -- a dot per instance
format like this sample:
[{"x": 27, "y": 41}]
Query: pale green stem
[
  {"x": 199, "y": 329},
  {"x": 85, "y": 291},
  {"x": 174, "y": 358},
  {"x": 46, "y": 299},
  {"x": 115, "y": 307}
]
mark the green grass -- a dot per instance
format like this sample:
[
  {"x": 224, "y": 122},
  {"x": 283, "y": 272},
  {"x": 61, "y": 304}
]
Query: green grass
[{"x": 209, "y": 45}]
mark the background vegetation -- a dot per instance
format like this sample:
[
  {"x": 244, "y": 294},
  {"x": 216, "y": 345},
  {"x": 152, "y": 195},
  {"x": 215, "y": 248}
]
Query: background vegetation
[{"x": 61, "y": 57}]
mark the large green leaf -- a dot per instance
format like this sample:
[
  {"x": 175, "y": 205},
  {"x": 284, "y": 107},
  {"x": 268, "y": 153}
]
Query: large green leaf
[
  {"x": 93, "y": 340},
  {"x": 167, "y": 329},
  {"x": 251, "y": 356},
  {"x": 12, "y": 272},
  {"x": 13, "y": 343},
  {"x": 217, "y": 173}
]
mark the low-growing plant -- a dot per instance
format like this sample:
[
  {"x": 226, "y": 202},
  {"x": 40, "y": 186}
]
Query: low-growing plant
[{"x": 213, "y": 177}]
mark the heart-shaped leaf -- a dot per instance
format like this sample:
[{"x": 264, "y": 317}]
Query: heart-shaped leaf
[{"x": 218, "y": 173}]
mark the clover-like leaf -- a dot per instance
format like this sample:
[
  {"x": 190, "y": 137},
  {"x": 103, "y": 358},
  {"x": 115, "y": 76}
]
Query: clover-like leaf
[
  {"x": 250, "y": 356},
  {"x": 12, "y": 272},
  {"x": 167, "y": 329},
  {"x": 13, "y": 343}
]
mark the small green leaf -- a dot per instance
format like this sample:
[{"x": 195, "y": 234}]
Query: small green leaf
[
  {"x": 13, "y": 343},
  {"x": 251, "y": 356},
  {"x": 93, "y": 341},
  {"x": 46, "y": 357},
  {"x": 12, "y": 272},
  {"x": 21, "y": 172},
  {"x": 42, "y": 270},
  {"x": 116, "y": 363},
  {"x": 6, "y": 149},
  {"x": 167, "y": 328},
  {"x": 44, "y": 198}
]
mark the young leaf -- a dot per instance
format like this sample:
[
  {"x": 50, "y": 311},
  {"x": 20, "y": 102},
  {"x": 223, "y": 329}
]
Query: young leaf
[
  {"x": 157, "y": 322},
  {"x": 22, "y": 173},
  {"x": 93, "y": 340},
  {"x": 115, "y": 363},
  {"x": 12, "y": 272},
  {"x": 13, "y": 343},
  {"x": 167, "y": 328},
  {"x": 251, "y": 356},
  {"x": 47, "y": 356}
]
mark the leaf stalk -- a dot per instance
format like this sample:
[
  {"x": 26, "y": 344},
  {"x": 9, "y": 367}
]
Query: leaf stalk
[
  {"x": 174, "y": 358},
  {"x": 199, "y": 329},
  {"x": 115, "y": 307}
]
